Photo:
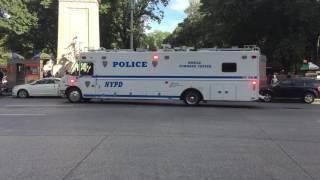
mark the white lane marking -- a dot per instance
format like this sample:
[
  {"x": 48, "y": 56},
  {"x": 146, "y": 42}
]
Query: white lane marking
[
  {"x": 22, "y": 114},
  {"x": 41, "y": 105}
]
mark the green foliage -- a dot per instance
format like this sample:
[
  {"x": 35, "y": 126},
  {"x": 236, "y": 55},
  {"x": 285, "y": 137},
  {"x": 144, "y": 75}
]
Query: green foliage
[
  {"x": 115, "y": 21},
  {"x": 286, "y": 30},
  {"x": 15, "y": 17},
  {"x": 190, "y": 31},
  {"x": 154, "y": 40},
  {"x": 32, "y": 25}
]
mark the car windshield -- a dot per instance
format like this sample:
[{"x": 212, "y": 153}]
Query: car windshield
[
  {"x": 44, "y": 81},
  {"x": 84, "y": 68},
  {"x": 33, "y": 82}
]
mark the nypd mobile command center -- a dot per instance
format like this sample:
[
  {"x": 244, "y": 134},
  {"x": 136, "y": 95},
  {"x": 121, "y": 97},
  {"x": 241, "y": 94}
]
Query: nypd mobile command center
[{"x": 233, "y": 74}]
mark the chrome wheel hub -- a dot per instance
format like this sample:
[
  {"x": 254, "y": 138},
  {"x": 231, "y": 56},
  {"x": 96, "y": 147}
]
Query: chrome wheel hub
[
  {"x": 192, "y": 99},
  {"x": 267, "y": 98},
  {"x": 22, "y": 94},
  {"x": 74, "y": 96},
  {"x": 308, "y": 98}
]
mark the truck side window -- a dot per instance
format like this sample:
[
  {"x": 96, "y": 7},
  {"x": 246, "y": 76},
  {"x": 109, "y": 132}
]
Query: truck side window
[
  {"x": 86, "y": 69},
  {"x": 229, "y": 67}
]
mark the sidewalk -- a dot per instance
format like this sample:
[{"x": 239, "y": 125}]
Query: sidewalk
[{"x": 316, "y": 101}]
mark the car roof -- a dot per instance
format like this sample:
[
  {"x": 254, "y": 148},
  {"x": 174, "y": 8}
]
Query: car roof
[
  {"x": 51, "y": 78},
  {"x": 301, "y": 79}
]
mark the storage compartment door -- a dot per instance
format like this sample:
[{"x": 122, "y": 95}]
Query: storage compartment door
[
  {"x": 217, "y": 92},
  {"x": 229, "y": 92}
]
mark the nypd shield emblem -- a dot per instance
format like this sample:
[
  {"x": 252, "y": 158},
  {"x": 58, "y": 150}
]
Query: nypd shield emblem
[
  {"x": 154, "y": 63},
  {"x": 87, "y": 83},
  {"x": 105, "y": 63}
]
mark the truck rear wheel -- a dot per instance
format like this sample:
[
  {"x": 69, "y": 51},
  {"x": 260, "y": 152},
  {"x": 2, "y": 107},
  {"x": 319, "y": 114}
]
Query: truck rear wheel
[
  {"x": 192, "y": 98},
  {"x": 74, "y": 95}
]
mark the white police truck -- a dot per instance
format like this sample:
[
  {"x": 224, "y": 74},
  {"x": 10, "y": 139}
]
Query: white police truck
[{"x": 234, "y": 74}]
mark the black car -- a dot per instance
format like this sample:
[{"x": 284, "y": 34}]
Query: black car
[{"x": 304, "y": 89}]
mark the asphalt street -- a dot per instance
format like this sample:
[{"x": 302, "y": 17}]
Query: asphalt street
[{"x": 50, "y": 139}]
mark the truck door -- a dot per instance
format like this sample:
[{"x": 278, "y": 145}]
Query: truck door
[{"x": 87, "y": 81}]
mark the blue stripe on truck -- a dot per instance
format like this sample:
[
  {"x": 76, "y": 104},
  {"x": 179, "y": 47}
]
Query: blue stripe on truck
[
  {"x": 131, "y": 96},
  {"x": 174, "y": 77}
]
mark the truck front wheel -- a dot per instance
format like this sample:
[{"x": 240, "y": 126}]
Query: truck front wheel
[
  {"x": 74, "y": 95},
  {"x": 192, "y": 97}
]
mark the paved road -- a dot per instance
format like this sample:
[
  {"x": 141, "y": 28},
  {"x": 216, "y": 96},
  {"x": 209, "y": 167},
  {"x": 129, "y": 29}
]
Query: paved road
[{"x": 50, "y": 139}]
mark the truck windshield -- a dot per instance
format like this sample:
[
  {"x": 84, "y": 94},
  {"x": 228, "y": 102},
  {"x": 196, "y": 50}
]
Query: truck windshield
[{"x": 82, "y": 68}]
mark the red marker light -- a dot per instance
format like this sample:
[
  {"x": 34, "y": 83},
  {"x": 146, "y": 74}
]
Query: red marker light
[
  {"x": 254, "y": 85},
  {"x": 156, "y": 57}
]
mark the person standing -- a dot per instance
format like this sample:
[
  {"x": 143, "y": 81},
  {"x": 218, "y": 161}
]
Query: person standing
[
  {"x": 1, "y": 76},
  {"x": 49, "y": 74},
  {"x": 274, "y": 79}
]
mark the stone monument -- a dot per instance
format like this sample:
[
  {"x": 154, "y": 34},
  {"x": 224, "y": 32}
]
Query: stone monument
[{"x": 78, "y": 29}]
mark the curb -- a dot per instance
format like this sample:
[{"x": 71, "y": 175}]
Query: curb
[{"x": 5, "y": 95}]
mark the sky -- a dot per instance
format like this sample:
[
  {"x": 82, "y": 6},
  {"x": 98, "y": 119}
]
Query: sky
[{"x": 173, "y": 15}]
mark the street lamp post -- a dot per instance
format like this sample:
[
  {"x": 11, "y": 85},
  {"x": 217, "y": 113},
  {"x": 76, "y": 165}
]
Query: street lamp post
[
  {"x": 132, "y": 3},
  {"x": 318, "y": 45}
]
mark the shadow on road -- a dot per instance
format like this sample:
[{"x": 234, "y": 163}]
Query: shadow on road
[
  {"x": 157, "y": 103},
  {"x": 283, "y": 104}
]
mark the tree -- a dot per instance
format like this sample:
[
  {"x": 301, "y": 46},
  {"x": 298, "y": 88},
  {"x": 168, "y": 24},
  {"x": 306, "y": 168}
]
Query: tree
[
  {"x": 15, "y": 17},
  {"x": 15, "y": 20},
  {"x": 189, "y": 32},
  {"x": 285, "y": 30},
  {"x": 115, "y": 20},
  {"x": 154, "y": 40},
  {"x": 29, "y": 26}
]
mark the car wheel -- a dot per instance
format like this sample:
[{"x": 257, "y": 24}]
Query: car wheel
[
  {"x": 192, "y": 98},
  {"x": 267, "y": 97},
  {"x": 308, "y": 98},
  {"x": 74, "y": 95},
  {"x": 22, "y": 94}
]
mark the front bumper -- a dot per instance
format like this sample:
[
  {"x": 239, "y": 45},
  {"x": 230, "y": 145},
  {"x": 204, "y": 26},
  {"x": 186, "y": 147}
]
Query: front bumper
[
  {"x": 14, "y": 92},
  {"x": 62, "y": 93},
  {"x": 261, "y": 97}
]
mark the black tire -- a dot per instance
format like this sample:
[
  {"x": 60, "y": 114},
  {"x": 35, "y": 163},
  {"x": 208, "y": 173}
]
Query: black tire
[
  {"x": 267, "y": 97},
  {"x": 74, "y": 95},
  {"x": 192, "y": 97},
  {"x": 22, "y": 94},
  {"x": 309, "y": 98}
]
